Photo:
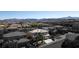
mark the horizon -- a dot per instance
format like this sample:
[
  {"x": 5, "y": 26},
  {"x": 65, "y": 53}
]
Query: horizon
[
  {"x": 37, "y": 14},
  {"x": 37, "y": 18}
]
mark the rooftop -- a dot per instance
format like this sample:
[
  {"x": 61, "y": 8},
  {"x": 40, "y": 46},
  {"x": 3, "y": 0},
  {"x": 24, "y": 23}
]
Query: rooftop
[
  {"x": 23, "y": 40},
  {"x": 12, "y": 34},
  {"x": 39, "y": 31}
]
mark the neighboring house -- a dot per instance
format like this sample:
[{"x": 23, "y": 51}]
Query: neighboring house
[
  {"x": 25, "y": 25},
  {"x": 2, "y": 26},
  {"x": 14, "y": 26}
]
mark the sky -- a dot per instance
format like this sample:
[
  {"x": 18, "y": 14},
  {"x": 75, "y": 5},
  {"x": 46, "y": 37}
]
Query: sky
[{"x": 37, "y": 14}]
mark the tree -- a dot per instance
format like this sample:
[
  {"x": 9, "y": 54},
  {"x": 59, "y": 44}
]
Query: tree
[
  {"x": 52, "y": 34},
  {"x": 29, "y": 36},
  {"x": 40, "y": 37},
  {"x": 39, "y": 25}
]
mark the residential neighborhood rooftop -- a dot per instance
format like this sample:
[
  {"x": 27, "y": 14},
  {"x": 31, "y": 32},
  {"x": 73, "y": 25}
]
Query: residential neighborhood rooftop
[
  {"x": 39, "y": 31},
  {"x": 12, "y": 34}
]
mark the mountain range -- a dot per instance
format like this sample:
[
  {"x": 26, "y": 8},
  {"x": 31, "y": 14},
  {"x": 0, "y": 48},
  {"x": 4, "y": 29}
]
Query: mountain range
[{"x": 42, "y": 20}]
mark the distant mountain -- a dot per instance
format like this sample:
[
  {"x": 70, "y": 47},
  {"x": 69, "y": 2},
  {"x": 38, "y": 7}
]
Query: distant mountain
[
  {"x": 19, "y": 20},
  {"x": 49, "y": 20},
  {"x": 69, "y": 18}
]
